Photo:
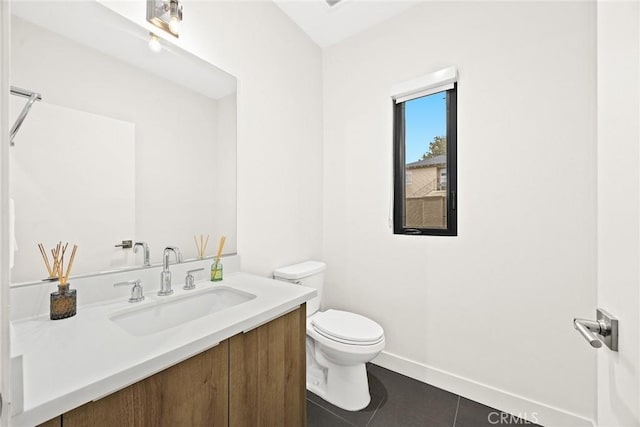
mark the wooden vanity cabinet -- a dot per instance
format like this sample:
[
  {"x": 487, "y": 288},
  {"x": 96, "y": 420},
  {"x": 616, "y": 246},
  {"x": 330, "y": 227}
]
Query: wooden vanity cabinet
[
  {"x": 54, "y": 422},
  {"x": 267, "y": 374},
  {"x": 252, "y": 379},
  {"x": 192, "y": 393}
]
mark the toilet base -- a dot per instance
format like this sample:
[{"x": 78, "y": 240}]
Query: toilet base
[
  {"x": 346, "y": 387},
  {"x": 337, "y": 371}
]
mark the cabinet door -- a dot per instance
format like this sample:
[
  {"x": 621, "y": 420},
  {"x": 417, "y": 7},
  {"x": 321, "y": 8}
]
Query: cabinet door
[
  {"x": 191, "y": 393},
  {"x": 54, "y": 422},
  {"x": 267, "y": 374}
]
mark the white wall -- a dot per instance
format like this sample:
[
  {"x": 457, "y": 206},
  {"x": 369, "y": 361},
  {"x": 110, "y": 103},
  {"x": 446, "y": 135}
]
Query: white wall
[
  {"x": 619, "y": 208},
  {"x": 488, "y": 313},
  {"x": 225, "y": 218},
  {"x": 72, "y": 178},
  {"x": 183, "y": 184},
  {"x": 279, "y": 71}
]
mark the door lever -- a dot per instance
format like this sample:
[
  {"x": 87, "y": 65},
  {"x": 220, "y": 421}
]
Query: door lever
[{"x": 603, "y": 330}]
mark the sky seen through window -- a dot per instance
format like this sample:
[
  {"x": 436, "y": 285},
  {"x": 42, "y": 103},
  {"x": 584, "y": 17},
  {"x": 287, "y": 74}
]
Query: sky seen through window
[{"x": 425, "y": 118}]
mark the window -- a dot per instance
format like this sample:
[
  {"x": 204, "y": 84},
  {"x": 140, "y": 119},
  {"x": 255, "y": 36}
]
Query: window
[{"x": 425, "y": 160}]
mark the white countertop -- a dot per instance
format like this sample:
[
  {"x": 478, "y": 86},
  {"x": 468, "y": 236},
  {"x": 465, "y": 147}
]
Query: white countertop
[{"x": 69, "y": 362}]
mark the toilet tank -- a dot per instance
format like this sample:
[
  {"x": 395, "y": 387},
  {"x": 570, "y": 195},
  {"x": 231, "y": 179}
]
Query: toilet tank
[{"x": 309, "y": 274}]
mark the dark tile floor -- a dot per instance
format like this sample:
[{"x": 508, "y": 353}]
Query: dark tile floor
[{"x": 399, "y": 401}]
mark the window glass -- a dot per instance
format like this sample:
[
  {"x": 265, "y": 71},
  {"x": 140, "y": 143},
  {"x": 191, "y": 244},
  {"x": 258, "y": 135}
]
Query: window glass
[{"x": 423, "y": 132}]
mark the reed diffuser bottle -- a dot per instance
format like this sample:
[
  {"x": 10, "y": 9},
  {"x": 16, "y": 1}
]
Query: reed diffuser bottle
[
  {"x": 216, "y": 267},
  {"x": 62, "y": 303},
  {"x": 216, "y": 271}
]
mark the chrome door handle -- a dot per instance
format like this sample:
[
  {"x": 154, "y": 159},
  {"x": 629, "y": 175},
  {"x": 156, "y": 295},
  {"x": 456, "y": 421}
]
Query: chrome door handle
[
  {"x": 602, "y": 330},
  {"x": 587, "y": 329}
]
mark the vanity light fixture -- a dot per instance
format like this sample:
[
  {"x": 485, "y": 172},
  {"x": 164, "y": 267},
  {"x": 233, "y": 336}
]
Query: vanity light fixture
[
  {"x": 154, "y": 43},
  {"x": 175, "y": 18},
  {"x": 165, "y": 14}
]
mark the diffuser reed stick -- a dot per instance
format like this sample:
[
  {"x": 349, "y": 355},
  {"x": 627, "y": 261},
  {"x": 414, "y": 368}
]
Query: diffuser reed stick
[
  {"x": 202, "y": 245},
  {"x": 204, "y": 248},
  {"x": 59, "y": 250},
  {"x": 220, "y": 246},
  {"x": 52, "y": 266},
  {"x": 73, "y": 256},
  {"x": 60, "y": 274},
  {"x": 54, "y": 270},
  {"x": 47, "y": 264},
  {"x": 58, "y": 269},
  {"x": 61, "y": 267}
]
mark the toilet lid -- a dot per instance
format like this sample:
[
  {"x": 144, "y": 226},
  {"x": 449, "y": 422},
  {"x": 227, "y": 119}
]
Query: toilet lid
[{"x": 349, "y": 327}]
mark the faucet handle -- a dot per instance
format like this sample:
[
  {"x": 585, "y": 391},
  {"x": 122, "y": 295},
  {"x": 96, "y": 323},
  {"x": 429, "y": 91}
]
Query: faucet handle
[
  {"x": 189, "y": 281},
  {"x": 136, "y": 290}
]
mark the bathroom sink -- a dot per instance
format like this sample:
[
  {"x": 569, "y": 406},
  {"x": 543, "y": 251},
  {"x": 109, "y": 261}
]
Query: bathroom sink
[{"x": 169, "y": 312}]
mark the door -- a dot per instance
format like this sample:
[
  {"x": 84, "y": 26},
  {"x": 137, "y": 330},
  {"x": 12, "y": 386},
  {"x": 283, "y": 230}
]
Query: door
[
  {"x": 618, "y": 114},
  {"x": 4, "y": 208}
]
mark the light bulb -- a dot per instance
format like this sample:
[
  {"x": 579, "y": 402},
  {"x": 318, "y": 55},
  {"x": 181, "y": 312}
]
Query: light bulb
[
  {"x": 174, "y": 24},
  {"x": 154, "y": 43}
]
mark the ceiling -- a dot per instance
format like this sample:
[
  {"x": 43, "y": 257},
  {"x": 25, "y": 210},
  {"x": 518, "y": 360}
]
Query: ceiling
[
  {"x": 328, "y": 25},
  {"x": 117, "y": 36}
]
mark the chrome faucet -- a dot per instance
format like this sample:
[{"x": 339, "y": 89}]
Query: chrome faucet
[
  {"x": 165, "y": 276},
  {"x": 145, "y": 248}
]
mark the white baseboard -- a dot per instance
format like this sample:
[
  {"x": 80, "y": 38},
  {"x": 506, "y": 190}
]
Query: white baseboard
[{"x": 536, "y": 412}]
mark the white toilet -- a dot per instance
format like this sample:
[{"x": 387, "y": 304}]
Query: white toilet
[{"x": 339, "y": 343}]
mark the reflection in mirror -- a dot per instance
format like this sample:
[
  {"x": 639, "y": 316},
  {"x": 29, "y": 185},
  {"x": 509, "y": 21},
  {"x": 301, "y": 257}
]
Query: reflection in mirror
[{"x": 126, "y": 144}]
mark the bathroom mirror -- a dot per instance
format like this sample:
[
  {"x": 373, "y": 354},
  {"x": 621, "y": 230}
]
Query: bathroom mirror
[{"x": 126, "y": 144}]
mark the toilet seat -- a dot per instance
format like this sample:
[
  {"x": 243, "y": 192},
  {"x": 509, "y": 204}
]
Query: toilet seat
[{"x": 347, "y": 328}]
